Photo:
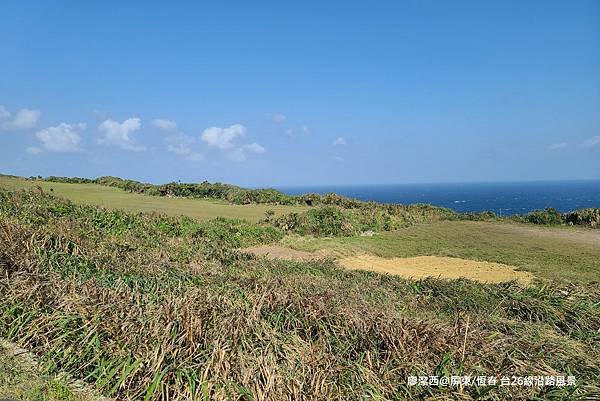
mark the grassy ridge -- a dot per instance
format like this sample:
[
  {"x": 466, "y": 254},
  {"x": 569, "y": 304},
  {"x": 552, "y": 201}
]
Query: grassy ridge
[
  {"x": 154, "y": 307},
  {"x": 115, "y": 198},
  {"x": 237, "y": 195}
]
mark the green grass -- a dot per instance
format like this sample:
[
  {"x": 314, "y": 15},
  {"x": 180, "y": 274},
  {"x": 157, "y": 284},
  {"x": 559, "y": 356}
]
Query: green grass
[
  {"x": 20, "y": 380},
  {"x": 146, "y": 307},
  {"x": 114, "y": 198},
  {"x": 549, "y": 253},
  {"x": 149, "y": 308}
]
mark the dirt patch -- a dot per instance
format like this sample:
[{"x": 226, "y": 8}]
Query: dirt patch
[
  {"x": 281, "y": 252},
  {"x": 435, "y": 266}
]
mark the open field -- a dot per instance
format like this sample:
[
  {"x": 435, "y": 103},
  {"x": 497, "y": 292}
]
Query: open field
[
  {"x": 562, "y": 254},
  {"x": 149, "y": 307},
  {"x": 114, "y": 198}
]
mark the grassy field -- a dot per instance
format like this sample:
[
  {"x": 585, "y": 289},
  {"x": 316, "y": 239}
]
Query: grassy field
[
  {"x": 114, "y": 198},
  {"x": 151, "y": 307},
  {"x": 550, "y": 253}
]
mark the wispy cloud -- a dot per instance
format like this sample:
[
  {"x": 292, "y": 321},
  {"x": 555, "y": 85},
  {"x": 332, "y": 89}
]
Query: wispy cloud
[
  {"x": 222, "y": 138},
  {"x": 24, "y": 119},
  {"x": 277, "y": 118},
  {"x": 120, "y": 134},
  {"x": 339, "y": 141},
  {"x": 181, "y": 144},
  {"x": 167, "y": 125},
  {"x": 557, "y": 146},
  {"x": 61, "y": 138},
  {"x": 254, "y": 148},
  {"x": 591, "y": 142}
]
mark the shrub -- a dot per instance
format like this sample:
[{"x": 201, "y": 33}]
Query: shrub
[
  {"x": 548, "y": 216},
  {"x": 589, "y": 217}
]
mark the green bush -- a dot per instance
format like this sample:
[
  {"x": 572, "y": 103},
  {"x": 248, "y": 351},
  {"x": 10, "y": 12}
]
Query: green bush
[
  {"x": 588, "y": 217},
  {"x": 548, "y": 216}
]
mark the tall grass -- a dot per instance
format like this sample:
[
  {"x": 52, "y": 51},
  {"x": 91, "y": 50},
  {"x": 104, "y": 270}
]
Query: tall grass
[{"x": 155, "y": 308}]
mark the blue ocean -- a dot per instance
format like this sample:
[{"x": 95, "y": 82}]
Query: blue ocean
[{"x": 505, "y": 198}]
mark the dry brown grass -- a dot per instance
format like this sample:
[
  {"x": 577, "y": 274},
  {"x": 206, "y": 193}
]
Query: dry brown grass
[
  {"x": 420, "y": 267},
  {"x": 117, "y": 305}
]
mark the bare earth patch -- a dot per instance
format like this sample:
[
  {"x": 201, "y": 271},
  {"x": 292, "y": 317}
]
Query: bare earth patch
[
  {"x": 282, "y": 252},
  {"x": 416, "y": 267},
  {"x": 436, "y": 266}
]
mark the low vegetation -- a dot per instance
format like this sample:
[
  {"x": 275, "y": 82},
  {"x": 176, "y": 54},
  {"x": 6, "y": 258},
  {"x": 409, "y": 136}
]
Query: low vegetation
[
  {"x": 390, "y": 216},
  {"x": 336, "y": 221},
  {"x": 153, "y": 307},
  {"x": 117, "y": 199},
  {"x": 20, "y": 379}
]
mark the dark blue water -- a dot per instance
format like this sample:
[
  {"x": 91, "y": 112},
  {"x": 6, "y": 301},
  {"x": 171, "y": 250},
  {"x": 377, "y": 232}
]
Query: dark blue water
[{"x": 506, "y": 198}]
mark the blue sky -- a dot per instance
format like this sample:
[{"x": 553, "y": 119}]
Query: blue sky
[{"x": 274, "y": 93}]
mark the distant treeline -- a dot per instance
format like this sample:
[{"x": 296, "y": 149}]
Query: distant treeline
[{"x": 338, "y": 215}]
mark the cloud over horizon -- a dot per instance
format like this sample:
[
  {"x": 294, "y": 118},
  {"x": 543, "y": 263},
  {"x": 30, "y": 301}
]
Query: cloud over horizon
[
  {"x": 222, "y": 138},
  {"x": 61, "y": 138},
  {"x": 120, "y": 134},
  {"x": 167, "y": 125},
  {"x": 254, "y": 148},
  {"x": 24, "y": 119}
]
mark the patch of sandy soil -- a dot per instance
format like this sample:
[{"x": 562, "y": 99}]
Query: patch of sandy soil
[
  {"x": 416, "y": 267},
  {"x": 282, "y": 252},
  {"x": 436, "y": 266}
]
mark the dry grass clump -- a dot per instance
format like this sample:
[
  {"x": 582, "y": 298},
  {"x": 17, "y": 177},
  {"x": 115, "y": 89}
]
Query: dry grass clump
[{"x": 144, "y": 307}]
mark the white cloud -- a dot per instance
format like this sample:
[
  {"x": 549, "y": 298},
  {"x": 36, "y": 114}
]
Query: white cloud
[
  {"x": 119, "y": 134},
  {"x": 24, "y": 119},
  {"x": 180, "y": 144},
  {"x": 167, "y": 125},
  {"x": 592, "y": 142},
  {"x": 305, "y": 129},
  {"x": 339, "y": 141},
  {"x": 255, "y": 148},
  {"x": 276, "y": 117},
  {"x": 557, "y": 146},
  {"x": 237, "y": 156},
  {"x": 179, "y": 149},
  {"x": 223, "y": 137},
  {"x": 62, "y": 138},
  {"x": 338, "y": 159},
  {"x": 289, "y": 132}
]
